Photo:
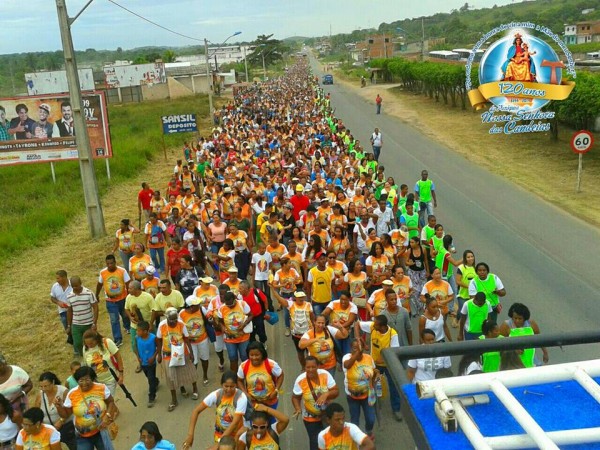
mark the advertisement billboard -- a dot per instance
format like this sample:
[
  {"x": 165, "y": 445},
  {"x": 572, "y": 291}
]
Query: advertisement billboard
[
  {"x": 55, "y": 82},
  {"x": 40, "y": 128},
  {"x": 134, "y": 75},
  {"x": 179, "y": 123}
]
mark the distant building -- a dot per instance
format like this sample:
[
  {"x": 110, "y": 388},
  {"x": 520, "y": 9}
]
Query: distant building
[
  {"x": 588, "y": 10},
  {"x": 570, "y": 35},
  {"x": 588, "y": 31},
  {"x": 376, "y": 46}
]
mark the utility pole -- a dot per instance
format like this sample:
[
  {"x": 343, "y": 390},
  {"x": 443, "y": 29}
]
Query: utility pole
[
  {"x": 264, "y": 67},
  {"x": 246, "y": 63},
  {"x": 209, "y": 79},
  {"x": 422, "y": 39},
  {"x": 86, "y": 160}
]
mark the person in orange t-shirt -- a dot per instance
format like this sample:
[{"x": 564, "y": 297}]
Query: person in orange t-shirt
[
  {"x": 114, "y": 280},
  {"x": 342, "y": 435},
  {"x": 233, "y": 316},
  {"x": 260, "y": 377}
]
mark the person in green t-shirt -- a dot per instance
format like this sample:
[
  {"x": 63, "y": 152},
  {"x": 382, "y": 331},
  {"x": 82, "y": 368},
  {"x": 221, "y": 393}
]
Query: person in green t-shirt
[{"x": 425, "y": 195}]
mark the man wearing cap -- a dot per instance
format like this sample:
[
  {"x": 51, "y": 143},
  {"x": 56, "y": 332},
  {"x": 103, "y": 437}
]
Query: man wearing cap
[
  {"x": 299, "y": 201},
  {"x": 138, "y": 307},
  {"x": 42, "y": 129},
  {"x": 193, "y": 318},
  {"x": 376, "y": 302},
  {"x": 114, "y": 280},
  {"x": 233, "y": 281}
]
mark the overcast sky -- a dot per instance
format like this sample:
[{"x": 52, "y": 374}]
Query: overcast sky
[{"x": 32, "y": 25}]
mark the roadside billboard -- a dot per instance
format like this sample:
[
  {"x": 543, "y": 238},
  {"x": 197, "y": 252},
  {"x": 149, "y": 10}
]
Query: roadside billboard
[
  {"x": 179, "y": 123},
  {"x": 40, "y": 128},
  {"x": 134, "y": 75},
  {"x": 55, "y": 82}
]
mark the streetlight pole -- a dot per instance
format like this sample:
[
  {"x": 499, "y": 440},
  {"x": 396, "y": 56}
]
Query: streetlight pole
[
  {"x": 91, "y": 194},
  {"x": 209, "y": 79},
  {"x": 246, "y": 64},
  {"x": 209, "y": 72},
  {"x": 264, "y": 67}
]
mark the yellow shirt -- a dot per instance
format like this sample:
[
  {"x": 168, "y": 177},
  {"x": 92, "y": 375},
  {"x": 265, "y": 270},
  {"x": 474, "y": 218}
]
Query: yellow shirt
[
  {"x": 358, "y": 377},
  {"x": 321, "y": 284}
]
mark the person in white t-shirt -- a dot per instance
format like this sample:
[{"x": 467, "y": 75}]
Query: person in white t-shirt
[
  {"x": 259, "y": 270},
  {"x": 424, "y": 369},
  {"x": 342, "y": 434}
]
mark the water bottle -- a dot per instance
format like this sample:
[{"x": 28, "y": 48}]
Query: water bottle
[{"x": 378, "y": 387}]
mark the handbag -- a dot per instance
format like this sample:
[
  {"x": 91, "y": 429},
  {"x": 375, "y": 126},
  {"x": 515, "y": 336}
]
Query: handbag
[
  {"x": 316, "y": 397},
  {"x": 177, "y": 355},
  {"x": 272, "y": 318},
  {"x": 361, "y": 302},
  {"x": 248, "y": 328}
]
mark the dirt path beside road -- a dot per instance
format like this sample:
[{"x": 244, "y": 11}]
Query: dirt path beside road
[{"x": 530, "y": 160}]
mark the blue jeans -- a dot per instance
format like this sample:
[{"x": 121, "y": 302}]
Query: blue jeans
[
  {"x": 354, "y": 406},
  {"x": 394, "y": 395},
  {"x": 116, "y": 309},
  {"x": 93, "y": 442},
  {"x": 125, "y": 259},
  {"x": 471, "y": 336},
  {"x": 63, "y": 319},
  {"x": 318, "y": 308},
  {"x": 376, "y": 151},
  {"x": 158, "y": 258},
  {"x": 240, "y": 348},
  {"x": 343, "y": 346},
  {"x": 425, "y": 212}
]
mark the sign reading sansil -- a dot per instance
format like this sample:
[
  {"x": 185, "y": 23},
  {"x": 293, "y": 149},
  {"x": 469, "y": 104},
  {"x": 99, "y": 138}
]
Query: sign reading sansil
[
  {"x": 40, "y": 128},
  {"x": 179, "y": 123}
]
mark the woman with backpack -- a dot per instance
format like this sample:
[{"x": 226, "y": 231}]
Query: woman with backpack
[
  {"x": 259, "y": 377},
  {"x": 263, "y": 434},
  {"x": 102, "y": 354},
  {"x": 230, "y": 404},
  {"x": 320, "y": 342}
]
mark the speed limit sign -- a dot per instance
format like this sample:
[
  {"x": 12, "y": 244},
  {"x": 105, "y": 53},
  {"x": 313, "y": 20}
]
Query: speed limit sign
[{"x": 582, "y": 141}]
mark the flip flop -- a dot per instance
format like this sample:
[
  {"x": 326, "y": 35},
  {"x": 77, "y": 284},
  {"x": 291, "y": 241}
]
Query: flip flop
[
  {"x": 138, "y": 369},
  {"x": 205, "y": 382},
  {"x": 172, "y": 406},
  {"x": 185, "y": 394},
  {"x": 195, "y": 396}
]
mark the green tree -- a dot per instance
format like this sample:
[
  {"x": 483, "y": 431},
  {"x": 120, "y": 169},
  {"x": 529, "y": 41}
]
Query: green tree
[
  {"x": 169, "y": 56},
  {"x": 271, "y": 49}
]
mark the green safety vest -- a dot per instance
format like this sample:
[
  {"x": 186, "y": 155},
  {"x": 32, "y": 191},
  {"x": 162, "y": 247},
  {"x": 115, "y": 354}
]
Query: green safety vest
[
  {"x": 425, "y": 190},
  {"x": 468, "y": 274},
  {"x": 488, "y": 286},
  {"x": 528, "y": 354},
  {"x": 476, "y": 314},
  {"x": 429, "y": 233},
  {"x": 411, "y": 221},
  {"x": 437, "y": 242},
  {"x": 439, "y": 263},
  {"x": 491, "y": 360}
]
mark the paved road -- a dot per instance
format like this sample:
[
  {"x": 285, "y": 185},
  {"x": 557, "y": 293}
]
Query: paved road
[{"x": 546, "y": 259}]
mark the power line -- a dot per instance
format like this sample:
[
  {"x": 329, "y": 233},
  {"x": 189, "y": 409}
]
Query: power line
[{"x": 154, "y": 23}]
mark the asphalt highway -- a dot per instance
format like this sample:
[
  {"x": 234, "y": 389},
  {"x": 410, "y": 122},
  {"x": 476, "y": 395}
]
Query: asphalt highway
[{"x": 546, "y": 258}]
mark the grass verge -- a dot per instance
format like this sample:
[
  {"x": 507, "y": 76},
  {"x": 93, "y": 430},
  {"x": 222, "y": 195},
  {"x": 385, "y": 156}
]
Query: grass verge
[{"x": 35, "y": 209}]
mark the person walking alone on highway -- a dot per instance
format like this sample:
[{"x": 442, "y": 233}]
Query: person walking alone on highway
[
  {"x": 377, "y": 140},
  {"x": 378, "y": 101}
]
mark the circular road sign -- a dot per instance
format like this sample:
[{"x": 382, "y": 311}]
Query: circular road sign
[{"x": 582, "y": 141}]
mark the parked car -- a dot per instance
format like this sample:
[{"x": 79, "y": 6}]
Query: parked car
[{"x": 327, "y": 79}]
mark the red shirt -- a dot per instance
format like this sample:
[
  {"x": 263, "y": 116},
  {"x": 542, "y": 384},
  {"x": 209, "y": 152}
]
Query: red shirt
[
  {"x": 252, "y": 301},
  {"x": 144, "y": 196},
  {"x": 173, "y": 259},
  {"x": 299, "y": 204}
]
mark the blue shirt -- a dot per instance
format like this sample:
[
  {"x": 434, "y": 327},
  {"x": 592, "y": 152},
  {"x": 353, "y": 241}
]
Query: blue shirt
[{"x": 146, "y": 348}]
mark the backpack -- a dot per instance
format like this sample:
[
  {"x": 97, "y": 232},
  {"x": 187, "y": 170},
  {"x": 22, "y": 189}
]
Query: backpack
[
  {"x": 246, "y": 368},
  {"x": 271, "y": 433},
  {"x": 236, "y": 397},
  {"x": 261, "y": 298},
  {"x": 156, "y": 235}
]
